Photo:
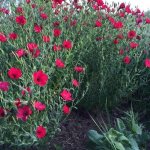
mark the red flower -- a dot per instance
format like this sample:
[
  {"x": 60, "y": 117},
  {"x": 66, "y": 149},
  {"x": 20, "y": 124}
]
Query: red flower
[
  {"x": 122, "y": 14},
  {"x": 121, "y": 52},
  {"x": 20, "y": 53},
  {"x": 95, "y": 7},
  {"x": 99, "y": 38},
  {"x": 32, "y": 46},
  {"x": 66, "y": 109},
  {"x": 100, "y": 2},
  {"x": 127, "y": 60},
  {"x": 75, "y": 1},
  {"x": 19, "y": 10},
  {"x": 4, "y": 10},
  {"x": 14, "y": 73},
  {"x": 98, "y": 23},
  {"x": 118, "y": 25},
  {"x": 112, "y": 20},
  {"x": 120, "y": 36},
  {"x": 122, "y": 6},
  {"x": 56, "y": 47},
  {"x": 24, "y": 112},
  {"x": 57, "y": 32},
  {"x": 43, "y": 16},
  {"x": 59, "y": 63},
  {"x": 134, "y": 44},
  {"x": 142, "y": 14},
  {"x": 33, "y": 6},
  {"x": 67, "y": 44},
  {"x": 89, "y": 1},
  {"x": 21, "y": 20},
  {"x": 37, "y": 28},
  {"x": 79, "y": 69},
  {"x": 46, "y": 38},
  {"x": 58, "y": 1},
  {"x": 39, "y": 106},
  {"x": 17, "y": 102},
  {"x": 73, "y": 23},
  {"x": 138, "y": 10},
  {"x": 147, "y": 20},
  {"x": 66, "y": 95},
  {"x": 75, "y": 83},
  {"x": 27, "y": 1},
  {"x": 65, "y": 18},
  {"x": 36, "y": 53},
  {"x": 2, "y": 112},
  {"x": 41, "y": 9},
  {"x": 13, "y": 36},
  {"x": 138, "y": 20},
  {"x": 147, "y": 62},
  {"x": 127, "y": 9},
  {"x": 40, "y": 132},
  {"x": 26, "y": 90},
  {"x": 40, "y": 78},
  {"x": 138, "y": 37},
  {"x": 4, "y": 86},
  {"x": 116, "y": 41},
  {"x": 131, "y": 34},
  {"x": 56, "y": 24},
  {"x": 2, "y": 38}
]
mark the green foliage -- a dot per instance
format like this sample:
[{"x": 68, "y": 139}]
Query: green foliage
[
  {"x": 127, "y": 134},
  {"x": 110, "y": 79},
  {"x": 22, "y": 133}
]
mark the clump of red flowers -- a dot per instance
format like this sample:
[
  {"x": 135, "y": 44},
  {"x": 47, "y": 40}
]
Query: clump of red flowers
[{"x": 21, "y": 20}]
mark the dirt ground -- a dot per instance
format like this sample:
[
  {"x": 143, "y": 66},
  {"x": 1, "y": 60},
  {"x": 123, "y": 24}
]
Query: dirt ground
[{"x": 73, "y": 134}]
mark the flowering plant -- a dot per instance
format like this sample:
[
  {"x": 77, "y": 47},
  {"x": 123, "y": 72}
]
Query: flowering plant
[
  {"x": 39, "y": 76},
  {"x": 116, "y": 52}
]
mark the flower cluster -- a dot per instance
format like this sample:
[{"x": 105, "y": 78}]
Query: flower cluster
[{"x": 40, "y": 81}]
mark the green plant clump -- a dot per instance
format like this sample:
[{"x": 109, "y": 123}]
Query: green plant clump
[{"x": 127, "y": 134}]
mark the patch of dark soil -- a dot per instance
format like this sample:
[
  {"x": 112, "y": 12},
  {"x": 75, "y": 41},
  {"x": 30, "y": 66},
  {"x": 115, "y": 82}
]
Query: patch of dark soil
[{"x": 73, "y": 133}]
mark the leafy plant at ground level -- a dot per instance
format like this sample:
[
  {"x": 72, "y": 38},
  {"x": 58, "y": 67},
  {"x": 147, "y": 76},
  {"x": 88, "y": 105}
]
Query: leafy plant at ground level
[{"x": 127, "y": 134}]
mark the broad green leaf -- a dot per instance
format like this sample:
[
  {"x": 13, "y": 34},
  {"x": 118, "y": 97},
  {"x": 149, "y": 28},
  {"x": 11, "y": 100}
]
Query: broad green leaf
[
  {"x": 137, "y": 129},
  {"x": 94, "y": 136},
  {"x": 134, "y": 144},
  {"x": 119, "y": 146}
]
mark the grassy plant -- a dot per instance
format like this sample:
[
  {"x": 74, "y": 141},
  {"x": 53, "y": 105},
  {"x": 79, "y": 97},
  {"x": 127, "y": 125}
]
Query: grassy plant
[{"x": 127, "y": 134}]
